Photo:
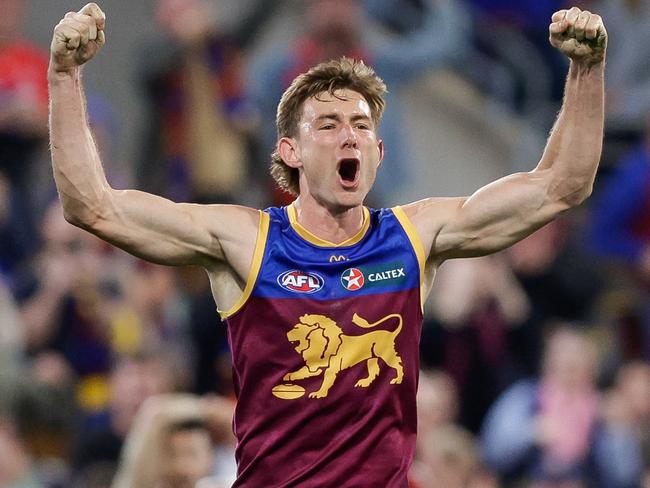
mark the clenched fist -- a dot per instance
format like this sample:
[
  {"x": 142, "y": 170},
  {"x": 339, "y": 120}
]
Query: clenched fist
[
  {"x": 77, "y": 38},
  {"x": 579, "y": 34}
]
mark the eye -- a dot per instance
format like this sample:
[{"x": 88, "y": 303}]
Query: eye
[
  {"x": 326, "y": 127},
  {"x": 363, "y": 126}
]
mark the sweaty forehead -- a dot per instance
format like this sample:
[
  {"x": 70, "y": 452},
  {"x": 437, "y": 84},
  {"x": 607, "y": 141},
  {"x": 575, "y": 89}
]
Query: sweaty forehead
[{"x": 342, "y": 102}]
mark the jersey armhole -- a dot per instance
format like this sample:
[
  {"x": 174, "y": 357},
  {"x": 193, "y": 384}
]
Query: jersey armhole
[
  {"x": 258, "y": 254},
  {"x": 416, "y": 243}
]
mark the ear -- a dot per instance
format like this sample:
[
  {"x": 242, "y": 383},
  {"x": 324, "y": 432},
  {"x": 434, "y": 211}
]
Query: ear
[
  {"x": 288, "y": 150},
  {"x": 380, "y": 147}
]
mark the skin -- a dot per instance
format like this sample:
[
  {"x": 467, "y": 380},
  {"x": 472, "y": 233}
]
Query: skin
[
  {"x": 187, "y": 457},
  {"x": 221, "y": 238}
]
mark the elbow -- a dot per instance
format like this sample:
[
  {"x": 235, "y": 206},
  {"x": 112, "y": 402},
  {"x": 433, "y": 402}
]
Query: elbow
[
  {"x": 82, "y": 215},
  {"x": 82, "y": 219},
  {"x": 569, "y": 192},
  {"x": 577, "y": 196}
]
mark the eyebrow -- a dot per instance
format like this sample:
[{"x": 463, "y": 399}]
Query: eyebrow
[{"x": 337, "y": 117}]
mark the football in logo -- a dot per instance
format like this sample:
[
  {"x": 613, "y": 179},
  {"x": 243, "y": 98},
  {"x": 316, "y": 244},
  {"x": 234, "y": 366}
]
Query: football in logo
[
  {"x": 352, "y": 279},
  {"x": 300, "y": 281}
]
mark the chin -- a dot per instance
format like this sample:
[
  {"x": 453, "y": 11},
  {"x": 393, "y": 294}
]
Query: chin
[{"x": 351, "y": 199}]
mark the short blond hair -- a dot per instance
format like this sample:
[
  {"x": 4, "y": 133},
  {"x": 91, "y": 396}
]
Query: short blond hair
[{"x": 344, "y": 73}]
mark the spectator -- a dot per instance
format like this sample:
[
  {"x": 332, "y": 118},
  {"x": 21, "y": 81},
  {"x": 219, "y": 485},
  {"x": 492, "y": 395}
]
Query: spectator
[
  {"x": 541, "y": 431},
  {"x": 61, "y": 311},
  {"x": 475, "y": 305},
  {"x": 446, "y": 454},
  {"x": 628, "y": 78},
  {"x": 620, "y": 226},
  {"x": 626, "y": 428},
  {"x": 37, "y": 419},
  {"x": 197, "y": 102},
  {"x": 170, "y": 443},
  {"x": 514, "y": 35},
  {"x": 560, "y": 283},
  {"x": 133, "y": 379},
  {"x": 23, "y": 112}
]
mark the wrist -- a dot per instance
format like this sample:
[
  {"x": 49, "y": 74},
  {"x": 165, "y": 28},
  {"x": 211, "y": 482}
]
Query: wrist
[
  {"x": 57, "y": 74},
  {"x": 584, "y": 68}
]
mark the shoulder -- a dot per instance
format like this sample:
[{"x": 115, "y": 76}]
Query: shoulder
[
  {"x": 438, "y": 208},
  {"x": 430, "y": 216}
]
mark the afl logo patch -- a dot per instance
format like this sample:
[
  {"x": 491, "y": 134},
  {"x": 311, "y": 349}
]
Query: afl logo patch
[
  {"x": 352, "y": 279},
  {"x": 300, "y": 281}
]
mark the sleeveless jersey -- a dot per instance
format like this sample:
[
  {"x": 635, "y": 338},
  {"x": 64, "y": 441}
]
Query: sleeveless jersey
[{"x": 325, "y": 355}]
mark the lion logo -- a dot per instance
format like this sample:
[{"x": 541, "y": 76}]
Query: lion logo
[{"x": 327, "y": 351}]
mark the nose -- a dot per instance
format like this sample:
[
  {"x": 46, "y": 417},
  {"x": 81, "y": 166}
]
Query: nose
[{"x": 349, "y": 137}]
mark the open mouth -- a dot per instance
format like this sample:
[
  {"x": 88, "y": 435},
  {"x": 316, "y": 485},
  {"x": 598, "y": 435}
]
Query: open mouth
[{"x": 348, "y": 170}]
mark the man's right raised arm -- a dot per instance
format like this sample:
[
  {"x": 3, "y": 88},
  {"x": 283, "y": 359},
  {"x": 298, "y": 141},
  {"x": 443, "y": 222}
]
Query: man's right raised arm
[{"x": 145, "y": 225}]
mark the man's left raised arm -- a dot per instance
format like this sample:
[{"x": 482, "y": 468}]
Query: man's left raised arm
[{"x": 509, "y": 209}]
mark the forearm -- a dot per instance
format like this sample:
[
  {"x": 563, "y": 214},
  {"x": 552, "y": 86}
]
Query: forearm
[
  {"x": 573, "y": 151},
  {"x": 78, "y": 172}
]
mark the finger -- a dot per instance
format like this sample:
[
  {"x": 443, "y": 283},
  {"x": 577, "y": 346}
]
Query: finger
[
  {"x": 81, "y": 28},
  {"x": 559, "y": 24},
  {"x": 571, "y": 18},
  {"x": 96, "y": 13},
  {"x": 68, "y": 37},
  {"x": 559, "y": 15},
  {"x": 581, "y": 23},
  {"x": 85, "y": 20},
  {"x": 591, "y": 29},
  {"x": 101, "y": 38},
  {"x": 557, "y": 28}
]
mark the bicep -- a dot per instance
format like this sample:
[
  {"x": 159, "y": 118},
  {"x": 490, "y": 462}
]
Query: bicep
[
  {"x": 161, "y": 231},
  {"x": 493, "y": 218}
]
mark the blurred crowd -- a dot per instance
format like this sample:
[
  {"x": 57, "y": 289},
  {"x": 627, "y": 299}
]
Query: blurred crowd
[{"x": 536, "y": 360}]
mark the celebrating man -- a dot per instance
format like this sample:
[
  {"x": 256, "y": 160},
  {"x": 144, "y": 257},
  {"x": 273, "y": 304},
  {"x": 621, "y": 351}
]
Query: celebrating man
[{"x": 323, "y": 298}]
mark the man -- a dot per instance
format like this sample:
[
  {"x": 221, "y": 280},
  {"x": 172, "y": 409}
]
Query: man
[
  {"x": 173, "y": 443},
  {"x": 317, "y": 293}
]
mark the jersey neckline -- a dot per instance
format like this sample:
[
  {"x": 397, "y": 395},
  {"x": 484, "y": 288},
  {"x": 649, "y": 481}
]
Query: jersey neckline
[{"x": 317, "y": 241}]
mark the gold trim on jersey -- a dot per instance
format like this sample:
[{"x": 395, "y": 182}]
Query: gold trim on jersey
[
  {"x": 258, "y": 254},
  {"x": 416, "y": 243},
  {"x": 317, "y": 241}
]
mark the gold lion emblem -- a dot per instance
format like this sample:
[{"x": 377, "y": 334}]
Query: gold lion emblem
[{"x": 325, "y": 349}]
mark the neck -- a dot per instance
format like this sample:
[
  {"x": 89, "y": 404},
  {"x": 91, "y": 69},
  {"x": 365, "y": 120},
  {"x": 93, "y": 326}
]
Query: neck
[{"x": 332, "y": 225}]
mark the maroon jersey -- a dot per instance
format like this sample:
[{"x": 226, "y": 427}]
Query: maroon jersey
[{"x": 325, "y": 355}]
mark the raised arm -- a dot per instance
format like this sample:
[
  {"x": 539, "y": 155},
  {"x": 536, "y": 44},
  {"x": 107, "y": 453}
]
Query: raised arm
[
  {"x": 513, "y": 207},
  {"x": 145, "y": 225}
]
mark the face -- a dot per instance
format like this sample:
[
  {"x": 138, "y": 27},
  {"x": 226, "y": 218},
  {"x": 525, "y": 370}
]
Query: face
[
  {"x": 570, "y": 360},
  {"x": 335, "y": 25},
  {"x": 131, "y": 383},
  {"x": 336, "y": 150},
  {"x": 187, "y": 459}
]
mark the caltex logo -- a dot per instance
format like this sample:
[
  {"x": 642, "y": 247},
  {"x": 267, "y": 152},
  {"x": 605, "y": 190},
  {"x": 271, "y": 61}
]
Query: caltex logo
[
  {"x": 352, "y": 279},
  {"x": 300, "y": 281}
]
